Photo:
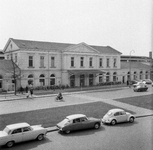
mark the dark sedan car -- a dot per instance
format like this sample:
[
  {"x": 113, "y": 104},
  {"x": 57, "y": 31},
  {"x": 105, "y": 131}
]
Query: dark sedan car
[{"x": 78, "y": 122}]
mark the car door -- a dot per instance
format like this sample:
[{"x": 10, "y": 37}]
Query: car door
[
  {"x": 121, "y": 116},
  {"x": 28, "y": 134},
  {"x": 77, "y": 124},
  {"x": 86, "y": 123},
  {"x": 17, "y": 135}
]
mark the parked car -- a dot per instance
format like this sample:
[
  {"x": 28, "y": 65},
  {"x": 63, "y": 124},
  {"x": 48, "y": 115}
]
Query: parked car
[
  {"x": 114, "y": 116},
  {"x": 78, "y": 122},
  {"x": 147, "y": 81},
  {"x": 140, "y": 87},
  {"x": 20, "y": 132}
]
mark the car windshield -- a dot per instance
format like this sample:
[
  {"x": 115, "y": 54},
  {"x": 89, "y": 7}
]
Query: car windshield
[
  {"x": 109, "y": 113},
  {"x": 66, "y": 121},
  {"x": 7, "y": 130}
]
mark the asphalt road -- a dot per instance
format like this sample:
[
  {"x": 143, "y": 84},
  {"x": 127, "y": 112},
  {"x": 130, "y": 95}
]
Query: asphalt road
[{"x": 126, "y": 136}]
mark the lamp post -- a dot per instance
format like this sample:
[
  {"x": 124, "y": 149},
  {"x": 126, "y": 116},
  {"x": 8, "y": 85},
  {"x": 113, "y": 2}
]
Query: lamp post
[{"x": 130, "y": 67}]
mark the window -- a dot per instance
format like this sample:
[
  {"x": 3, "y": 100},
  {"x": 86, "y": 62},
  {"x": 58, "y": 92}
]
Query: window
[
  {"x": 72, "y": 61},
  {"x": 107, "y": 62},
  {"x": 25, "y": 129},
  {"x": 100, "y": 62},
  {"x": 81, "y": 61},
  {"x": 76, "y": 120},
  {"x": 115, "y": 62},
  {"x": 90, "y": 62},
  {"x": 42, "y": 80},
  {"x": 16, "y": 58},
  {"x": 17, "y": 131},
  {"x": 8, "y": 56},
  {"x": 52, "y": 62},
  {"x": 52, "y": 79},
  {"x": 42, "y": 61},
  {"x": 30, "y": 61}
]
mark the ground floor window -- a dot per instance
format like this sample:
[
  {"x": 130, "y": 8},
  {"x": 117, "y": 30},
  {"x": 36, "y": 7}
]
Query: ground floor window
[
  {"x": 146, "y": 75},
  {"x": 52, "y": 79},
  {"x": 42, "y": 80},
  {"x": 114, "y": 77},
  {"x": 30, "y": 79},
  {"x": 101, "y": 79},
  {"x": 108, "y": 77},
  {"x": 1, "y": 81}
]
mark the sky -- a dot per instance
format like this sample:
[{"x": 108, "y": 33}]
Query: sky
[{"x": 125, "y": 25}]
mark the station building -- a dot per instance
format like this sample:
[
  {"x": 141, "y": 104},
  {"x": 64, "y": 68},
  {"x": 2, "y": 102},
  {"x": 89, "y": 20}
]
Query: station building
[{"x": 74, "y": 65}]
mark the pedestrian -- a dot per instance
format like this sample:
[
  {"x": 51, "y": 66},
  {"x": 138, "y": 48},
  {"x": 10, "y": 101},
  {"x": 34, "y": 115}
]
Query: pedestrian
[
  {"x": 31, "y": 90},
  {"x": 21, "y": 89},
  {"x": 27, "y": 91}
]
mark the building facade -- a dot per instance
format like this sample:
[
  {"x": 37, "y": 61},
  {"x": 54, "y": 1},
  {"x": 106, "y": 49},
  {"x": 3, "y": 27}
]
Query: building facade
[{"x": 74, "y": 65}]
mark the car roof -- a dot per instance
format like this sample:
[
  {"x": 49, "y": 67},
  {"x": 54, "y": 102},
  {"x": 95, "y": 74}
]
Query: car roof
[
  {"x": 17, "y": 125},
  {"x": 70, "y": 117},
  {"x": 116, "y": 110}
]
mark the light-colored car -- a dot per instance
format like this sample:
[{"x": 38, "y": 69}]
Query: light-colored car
[
  {"x": 114, "y": 116},
  {"x": 140, "y": 87},
  {"x": 78, "y": 122},
  {"x": 147, "y": 81},
  {"x": 21, "y": 132}
]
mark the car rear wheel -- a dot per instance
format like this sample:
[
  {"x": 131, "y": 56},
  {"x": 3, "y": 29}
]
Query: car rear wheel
[
  {"x": 113, "y": 122},
  {"x": 67, "y": 131},
  {"x": 131, "y": 120},
  {"x": 40, "y": 137},
  {"x": 97, "y": 125},
  {"x": 10, "y": 143}
]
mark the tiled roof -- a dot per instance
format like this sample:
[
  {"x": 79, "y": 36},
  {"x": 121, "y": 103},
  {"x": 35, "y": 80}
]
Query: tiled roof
[
  {"x": 126, "y": 65},
  {"x": 6, "y": 65},
  {"x": 58, "y": 46}
]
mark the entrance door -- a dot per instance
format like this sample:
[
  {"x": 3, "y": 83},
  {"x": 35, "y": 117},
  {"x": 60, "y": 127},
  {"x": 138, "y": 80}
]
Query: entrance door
[
  {"x": 82, "y": 80},
  {"x": 91, "y": 77},
  {"x": 72, "y": 81}
]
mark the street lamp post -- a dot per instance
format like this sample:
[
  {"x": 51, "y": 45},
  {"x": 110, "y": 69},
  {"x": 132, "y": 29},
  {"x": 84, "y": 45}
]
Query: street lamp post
[{"x": 130, "y": 67}]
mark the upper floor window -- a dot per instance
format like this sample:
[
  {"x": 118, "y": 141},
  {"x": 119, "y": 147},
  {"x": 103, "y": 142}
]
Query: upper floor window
[
  {"x": 41, "y": 61},
  {"x": 72, "y": 61},
  {"x": 81, "y": 61},
  {"x": 90, "y": 62},
  {"x": 8, "y": 56},
  {"x": 114, "y": 63},
  {"x": 107, "y": 62},
  {"x": 100, "y": 62},
  {"x": 52, "y": 62},
  {"x": 30, "y": 61},
  {"x": 16, "y": 59}
]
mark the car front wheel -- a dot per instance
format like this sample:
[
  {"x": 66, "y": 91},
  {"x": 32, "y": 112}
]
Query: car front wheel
[
  {"x": 97, "y": 125},
  {"x": 67, "y": 131},
  {"x": 131, "y": 120},
  {"x": 10, "y": 144},
  {"x": 40, "y": 137},
  {"x": 113, "y": 122}
]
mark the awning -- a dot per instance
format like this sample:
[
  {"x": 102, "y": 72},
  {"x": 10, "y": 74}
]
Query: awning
[{"x": 89, "y": 71}]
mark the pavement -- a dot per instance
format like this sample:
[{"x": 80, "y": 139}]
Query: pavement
[{"x": 19, "y": 103}]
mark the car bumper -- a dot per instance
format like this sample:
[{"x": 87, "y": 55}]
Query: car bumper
[{"x": 106, "y": 121}]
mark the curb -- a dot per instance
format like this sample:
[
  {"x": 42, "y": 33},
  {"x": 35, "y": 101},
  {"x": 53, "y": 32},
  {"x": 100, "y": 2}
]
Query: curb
[{"x": 140, "y": 116}]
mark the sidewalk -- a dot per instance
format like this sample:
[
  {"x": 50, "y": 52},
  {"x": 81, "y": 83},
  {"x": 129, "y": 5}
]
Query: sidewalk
[{"x": 49, "y": 93}]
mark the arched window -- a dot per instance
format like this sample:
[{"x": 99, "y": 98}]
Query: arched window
[
  {"x": 147, "y": 75},
  {"x": 107, "y": 77},
  {"x": 128, "y": 76},
  {"x": 52, "y": 79},
  {"x": 135, "y": 75},
  {"x": 141, "y": 75},
  {"x": 114, "y": 77},
  {"x": 1, "y": 78},
  {"x": 42, "y": 80},
  {"x": 30, "y": 79}
]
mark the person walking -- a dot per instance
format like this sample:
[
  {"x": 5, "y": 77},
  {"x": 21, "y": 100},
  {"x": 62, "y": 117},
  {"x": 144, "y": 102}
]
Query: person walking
[
  {"x": 31, "y": 90},
  {"x": 27, "y": 91}
]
